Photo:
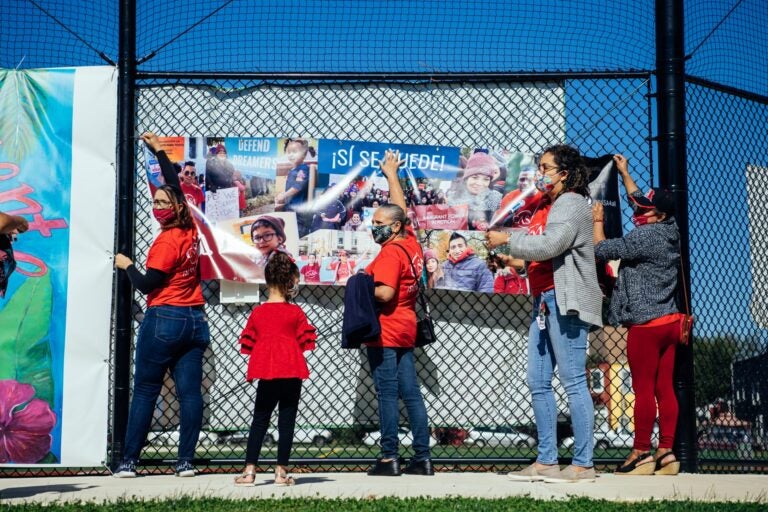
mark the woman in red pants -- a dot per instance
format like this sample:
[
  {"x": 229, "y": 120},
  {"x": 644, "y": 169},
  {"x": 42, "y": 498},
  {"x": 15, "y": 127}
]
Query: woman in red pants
[{"x": 643, "y": 300}]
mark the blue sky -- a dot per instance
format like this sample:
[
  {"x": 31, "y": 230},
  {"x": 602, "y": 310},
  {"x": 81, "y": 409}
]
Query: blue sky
[{"x": 475, "y": 36}]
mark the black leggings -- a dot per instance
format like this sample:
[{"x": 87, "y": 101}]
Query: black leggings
[{"x": 281, "y": 393}]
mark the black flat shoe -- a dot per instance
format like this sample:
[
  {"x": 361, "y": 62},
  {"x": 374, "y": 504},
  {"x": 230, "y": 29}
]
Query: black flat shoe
[
  {"x": 636, "y": 467},
  {"x": 390, "y": 468},
  {"x": 420, "y": 467}
]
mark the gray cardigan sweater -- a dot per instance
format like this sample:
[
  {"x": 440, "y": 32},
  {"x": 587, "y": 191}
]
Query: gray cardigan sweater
[
  {"x": 647, "y": 283},
  {"x": 567, "y": 240}
]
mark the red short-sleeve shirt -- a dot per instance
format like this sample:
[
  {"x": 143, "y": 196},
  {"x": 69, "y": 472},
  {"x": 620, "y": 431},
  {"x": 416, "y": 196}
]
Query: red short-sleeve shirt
[
  {"x": 311, "y": 273},
  {"x": 175, "y": 252},
  {"x": 193, "y": 193},
  {"x": 392, "y": 267}
]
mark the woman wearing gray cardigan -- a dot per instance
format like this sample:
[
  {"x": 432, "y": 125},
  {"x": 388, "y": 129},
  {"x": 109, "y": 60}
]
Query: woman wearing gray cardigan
[{"x": 558, "y": 244}]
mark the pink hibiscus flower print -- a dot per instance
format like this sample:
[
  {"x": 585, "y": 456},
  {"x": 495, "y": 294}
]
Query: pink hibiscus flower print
[{"x": 25, "y": 424}]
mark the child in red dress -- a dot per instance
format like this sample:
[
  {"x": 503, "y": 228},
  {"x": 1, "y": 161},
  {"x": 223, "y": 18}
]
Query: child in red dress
[{"x": 275, "y": 338}]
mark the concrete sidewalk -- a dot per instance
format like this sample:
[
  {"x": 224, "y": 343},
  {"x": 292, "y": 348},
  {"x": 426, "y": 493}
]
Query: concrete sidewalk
[{"x": 747, "y": 488}]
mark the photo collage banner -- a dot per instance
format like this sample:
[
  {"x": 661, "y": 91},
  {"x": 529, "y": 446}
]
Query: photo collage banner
[{"x": 314, "y": 198}]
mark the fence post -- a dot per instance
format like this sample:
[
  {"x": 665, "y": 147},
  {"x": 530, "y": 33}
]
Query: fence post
[
  {"x": 670, "y": 83},
  {"x": 126, "y": 115}
]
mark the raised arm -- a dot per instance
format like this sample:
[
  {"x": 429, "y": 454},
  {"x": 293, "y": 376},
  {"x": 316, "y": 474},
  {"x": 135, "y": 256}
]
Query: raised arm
[
  {"x": 166, "y": 166},
  {"x": 623, "y": 166},
  {"x": 389, "y": 166}
]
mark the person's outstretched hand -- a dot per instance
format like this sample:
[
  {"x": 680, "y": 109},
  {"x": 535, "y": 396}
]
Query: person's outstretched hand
[
  {"x": 621, "y": 164},
  {"x": 391, "y": 163},
  {"x": 122, "y": 261},
  {"x": 151, "y": 140}
]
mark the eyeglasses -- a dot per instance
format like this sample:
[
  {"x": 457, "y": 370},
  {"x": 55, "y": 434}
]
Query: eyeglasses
[
  {"x": 161, "y": 203},
  {"x": 544, "y": 169},
  {"x": 266, "y": 237},
  {"x": 189, "y": 173}
]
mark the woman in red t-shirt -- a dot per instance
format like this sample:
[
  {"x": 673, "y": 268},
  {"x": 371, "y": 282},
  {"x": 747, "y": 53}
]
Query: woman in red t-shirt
[
  {"x": 174, "y": 333},
  {"x": 391, "y": 356}
]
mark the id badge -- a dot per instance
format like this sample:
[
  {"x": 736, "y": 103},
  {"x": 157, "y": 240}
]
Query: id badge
[{"x": 541, "y": 319}]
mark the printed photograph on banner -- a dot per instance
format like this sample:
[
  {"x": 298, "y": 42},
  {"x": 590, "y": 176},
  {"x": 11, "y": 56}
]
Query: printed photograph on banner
[
  {"x": 180, "y": 151},
  {"x": 485, "y": 179},
  {"x": 296, "y": 179},
  {"x": 254, "y": 160},
  {"x": 350, "y": 186},
  {"x": 329, "y": 256},
  {"x": 267, "y": 233},
  {"x": 243, "y": 167},
  {"x": 456, "y": 260}
]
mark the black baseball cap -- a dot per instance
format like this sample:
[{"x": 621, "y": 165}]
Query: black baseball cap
[{"x": 657, "y": 198}]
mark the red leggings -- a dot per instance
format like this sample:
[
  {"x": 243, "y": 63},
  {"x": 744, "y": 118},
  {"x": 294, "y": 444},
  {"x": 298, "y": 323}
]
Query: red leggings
[{"x": 651, "y": 354}]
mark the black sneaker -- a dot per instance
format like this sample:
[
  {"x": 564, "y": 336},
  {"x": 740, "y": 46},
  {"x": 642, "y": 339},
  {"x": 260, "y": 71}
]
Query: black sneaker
[
  {"x": 184, "y": 468},
  {"x": 421, "y": 467},
  {"x": 390, "y": 468},
  {"x": 126, "y": 469}
]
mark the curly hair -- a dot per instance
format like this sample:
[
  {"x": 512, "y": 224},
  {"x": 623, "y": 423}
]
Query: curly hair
[
  {"x": 183, "y": 218},
  {"x": 568, "y": 158},
  {"x": 281, "y": 272}
]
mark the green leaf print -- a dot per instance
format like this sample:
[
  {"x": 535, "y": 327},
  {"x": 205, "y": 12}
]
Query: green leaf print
[
  {"x": 25, "y": 349},
  {"x": 22, "y": 101}
]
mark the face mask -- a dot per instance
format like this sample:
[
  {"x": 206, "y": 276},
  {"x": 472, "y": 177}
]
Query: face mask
[
  {"x": 639, "y": 220},
  {"x": 544, "y": 183},
  {"x": 164, "y": 216},
  {"x": 293, "y": 291},
  {"x": 381, "y": 233}
]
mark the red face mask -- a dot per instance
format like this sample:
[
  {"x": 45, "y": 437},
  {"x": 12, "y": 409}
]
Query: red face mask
[{"x": 164, "y": 216}]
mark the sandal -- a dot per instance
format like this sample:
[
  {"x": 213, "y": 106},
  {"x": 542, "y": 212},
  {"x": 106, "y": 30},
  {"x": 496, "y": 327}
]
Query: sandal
[
  {"x": 246, "y": 474},
  {"x": 635, "y": 467},
  {"x": 670, "y": 468},
  {"x": 284, "y": 480}
]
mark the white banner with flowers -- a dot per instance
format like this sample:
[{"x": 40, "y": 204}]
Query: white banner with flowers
[{"x": 57, "y": 151}]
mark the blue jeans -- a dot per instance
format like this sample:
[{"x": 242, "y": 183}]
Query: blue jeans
[
  {"x": 170, "y": 338},
  {"x": 394, "y": 373},
  {"x": 563, "y": 344}
]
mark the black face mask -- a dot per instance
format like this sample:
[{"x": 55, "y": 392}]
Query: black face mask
[{"x": 381, "y": 233}]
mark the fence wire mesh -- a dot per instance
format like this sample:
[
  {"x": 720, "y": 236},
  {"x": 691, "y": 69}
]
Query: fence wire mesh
[
  {"x": 728, "y": 174},
  {"x": 474, "y": 379}
]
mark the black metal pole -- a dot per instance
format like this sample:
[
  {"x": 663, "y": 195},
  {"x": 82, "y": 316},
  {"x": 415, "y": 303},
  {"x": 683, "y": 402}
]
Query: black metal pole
[
  {"x": 670, "y": 82},
  {"x": 126, "y": 117}
]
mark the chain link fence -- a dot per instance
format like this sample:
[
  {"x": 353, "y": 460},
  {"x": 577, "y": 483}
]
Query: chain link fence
[
  {"x": 473, "y": 380},
  {"x": 728, "y": 165}
]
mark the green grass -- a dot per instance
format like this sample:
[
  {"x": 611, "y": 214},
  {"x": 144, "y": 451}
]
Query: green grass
[{"x": 389, "y": 505}]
